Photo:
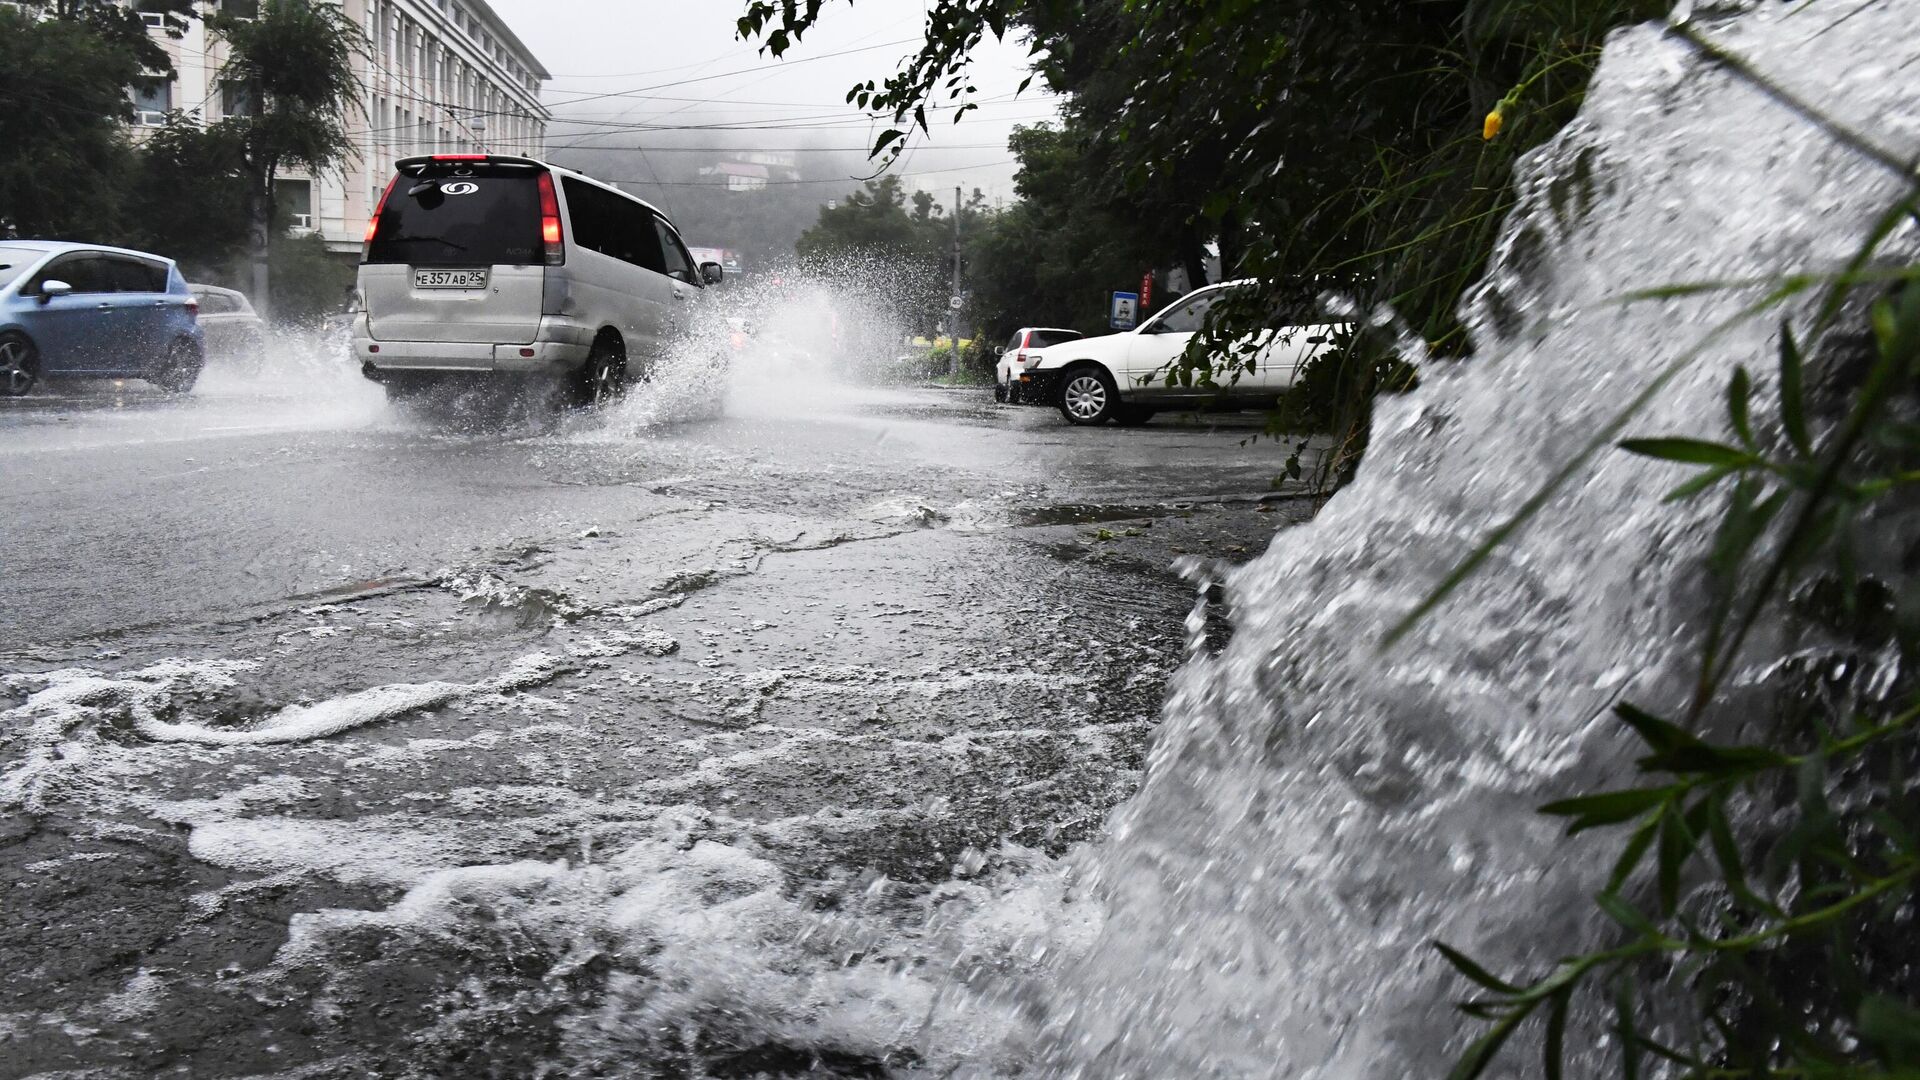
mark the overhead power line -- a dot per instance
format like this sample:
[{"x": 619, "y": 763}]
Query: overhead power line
[{"x": 786, "y": 183}]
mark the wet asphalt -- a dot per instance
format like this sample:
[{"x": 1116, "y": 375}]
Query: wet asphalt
[{"x": 858, "y": 632}]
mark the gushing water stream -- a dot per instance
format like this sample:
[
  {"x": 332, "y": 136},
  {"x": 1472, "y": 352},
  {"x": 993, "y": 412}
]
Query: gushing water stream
[{"x": 1316, "y": 809}]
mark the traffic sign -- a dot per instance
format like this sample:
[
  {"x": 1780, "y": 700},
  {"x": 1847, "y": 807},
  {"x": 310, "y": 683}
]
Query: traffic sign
[
  {"x": 1124, "y": 312},
  {"x": 953, "y": 302}
]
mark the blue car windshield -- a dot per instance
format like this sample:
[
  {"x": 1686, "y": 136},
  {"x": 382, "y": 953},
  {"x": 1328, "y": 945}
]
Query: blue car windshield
[{"x": 15, "y": 261}]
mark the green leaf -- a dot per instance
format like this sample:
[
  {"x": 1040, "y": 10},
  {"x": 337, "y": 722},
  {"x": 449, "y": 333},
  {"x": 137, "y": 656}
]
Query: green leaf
[
  {"x": 1726, "y": 852},
  {"x": 1465, "y": 966},
  {"x": 1554, "y": 1050},
  {"x": 1793, "y": 416},
  {"x": 1481, "y": 1053},
  {"x": 1625, "y": 1027},
  {"x": 1676, "y": 846},
  {"x": 888, "y": 136},
  {"x": 1689, "y": 452},
  {"x": 1739, "y": 396},
  {"x": 1658, "y": 734},
  {"x": 1607, "y": 808},
  {"x": 1626, "y": 914},
  {"x": 1699, "y": 483},
  {"x": 1891, "y": 1027},
  {"x": 1630, "y": 856}
]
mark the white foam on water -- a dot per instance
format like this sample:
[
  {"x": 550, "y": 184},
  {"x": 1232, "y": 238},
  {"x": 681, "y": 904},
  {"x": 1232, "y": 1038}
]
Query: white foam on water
[
  {"x": 705, "y": 951},
  {"x": 303, "y": 723}
]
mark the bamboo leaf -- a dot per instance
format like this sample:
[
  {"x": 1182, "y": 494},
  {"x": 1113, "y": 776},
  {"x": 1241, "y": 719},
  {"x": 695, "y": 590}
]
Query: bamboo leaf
[
  {"x": 1658, "y": 734},
  {"x": 1626, "y": 914},
  {"x": 1607, "y": 808},
  {"x": 1466, "y": 966},
  {"x": 1555, "y": 1048},
  {"x": 1630, "y": 856},
  {"x": 1628, "y": 1032},
  {"x": 1739, "y": 397},
  {"x": 1689, "y": 452},
  {"x": 1699, "y": 483},
  {"x": 1674, "y": 849},
  {"x": 1726, "y": 852},
  {"x": 1481, "y": 1053},
  {"x": 1793, "y": 416},
  {"x": 1893, "y": 1028}
]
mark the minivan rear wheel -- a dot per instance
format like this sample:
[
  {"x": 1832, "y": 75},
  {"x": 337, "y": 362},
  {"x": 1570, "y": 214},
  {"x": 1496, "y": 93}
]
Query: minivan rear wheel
[
  {"x": 604, "y": 376},
  {"x": 19, "y": 364}
]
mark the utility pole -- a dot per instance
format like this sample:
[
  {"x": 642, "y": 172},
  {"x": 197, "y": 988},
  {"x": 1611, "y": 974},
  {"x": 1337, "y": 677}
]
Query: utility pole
[{"x": 953, "y": 317}]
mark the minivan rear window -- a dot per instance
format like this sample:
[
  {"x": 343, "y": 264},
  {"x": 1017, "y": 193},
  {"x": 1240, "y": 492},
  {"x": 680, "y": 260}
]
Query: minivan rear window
[{"x": 470, "y": 215}]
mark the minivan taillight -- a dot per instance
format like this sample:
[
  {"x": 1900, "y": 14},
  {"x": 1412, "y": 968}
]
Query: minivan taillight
[
  {"x": 550, "y": 239},
  {"x": 373, "y": 223}
]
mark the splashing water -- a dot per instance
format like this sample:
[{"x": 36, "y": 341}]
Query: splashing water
[{"x": 1316, "y": 810}]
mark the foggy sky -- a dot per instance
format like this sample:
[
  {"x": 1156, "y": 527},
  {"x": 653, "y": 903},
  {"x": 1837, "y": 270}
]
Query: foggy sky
[{"x": 677, "y": 62}]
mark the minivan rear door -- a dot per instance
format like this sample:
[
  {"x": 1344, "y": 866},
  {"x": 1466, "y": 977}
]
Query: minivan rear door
[{"x": 457, "y": 255}]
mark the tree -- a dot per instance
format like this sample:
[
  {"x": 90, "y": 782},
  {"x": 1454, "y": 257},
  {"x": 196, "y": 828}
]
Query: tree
[
  {"x": 189, "y": 196},
  {"x": 292, "y": 62},
  {"x": 874, "y": 222}
]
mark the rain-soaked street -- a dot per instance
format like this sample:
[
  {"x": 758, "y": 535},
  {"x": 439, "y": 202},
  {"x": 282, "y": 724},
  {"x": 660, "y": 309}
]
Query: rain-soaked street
[{"x": 277, "y": 660}]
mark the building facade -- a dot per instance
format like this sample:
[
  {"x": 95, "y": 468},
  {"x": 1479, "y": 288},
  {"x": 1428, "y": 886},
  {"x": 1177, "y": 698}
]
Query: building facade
[{"x": 441, "y": 76}]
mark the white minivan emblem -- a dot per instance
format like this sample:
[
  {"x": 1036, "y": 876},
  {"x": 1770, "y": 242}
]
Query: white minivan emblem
[{"x": 459, "y": 187}]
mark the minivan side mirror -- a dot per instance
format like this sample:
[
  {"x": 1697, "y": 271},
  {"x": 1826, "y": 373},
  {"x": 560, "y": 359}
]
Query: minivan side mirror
[
  {"x": 711, "y": 272},
  {"x": 51, "y": 289}
]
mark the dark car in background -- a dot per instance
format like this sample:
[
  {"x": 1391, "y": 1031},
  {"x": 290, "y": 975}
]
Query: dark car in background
[
  {"x": 82, "y": 310},
  {"x": 235, "y": 333}
]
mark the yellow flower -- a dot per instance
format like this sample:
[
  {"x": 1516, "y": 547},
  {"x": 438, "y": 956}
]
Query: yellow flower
[{"x": 1492, "y": 125}]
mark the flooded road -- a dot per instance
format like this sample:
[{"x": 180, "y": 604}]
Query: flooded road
[{"x": 337, "y": 741}]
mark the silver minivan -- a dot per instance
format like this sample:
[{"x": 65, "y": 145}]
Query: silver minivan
[{"x": 485, "y": 263}]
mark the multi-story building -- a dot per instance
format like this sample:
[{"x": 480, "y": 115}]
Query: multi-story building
[
  {"x": 752, "y": 170},
  {"x": 441, "y": 76}
]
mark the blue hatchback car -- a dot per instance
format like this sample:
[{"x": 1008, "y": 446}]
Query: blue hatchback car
[{"x": 81, "y": 310}]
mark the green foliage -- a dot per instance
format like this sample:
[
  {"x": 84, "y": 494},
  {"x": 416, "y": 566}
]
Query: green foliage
[
  {"x": 63, "y": 104},
  {"x": 875, "y": 222},
  {"x": 308, "y": 281},
  {"x": 189, "y": 196},
  {"x": 1074, "y": 236},
  {"x": 1775, "y": 879}
]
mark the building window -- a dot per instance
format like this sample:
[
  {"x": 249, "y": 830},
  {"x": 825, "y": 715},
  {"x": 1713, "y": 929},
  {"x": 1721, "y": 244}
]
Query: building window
[
  {"x": 236, "y": 99},
  {"x": 151, "y": 100},
  {"x": 294, "y": 201}
]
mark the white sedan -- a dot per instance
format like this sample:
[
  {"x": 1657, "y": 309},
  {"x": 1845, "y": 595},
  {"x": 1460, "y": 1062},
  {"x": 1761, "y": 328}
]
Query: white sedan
[{"x": 1123, "y": 377}]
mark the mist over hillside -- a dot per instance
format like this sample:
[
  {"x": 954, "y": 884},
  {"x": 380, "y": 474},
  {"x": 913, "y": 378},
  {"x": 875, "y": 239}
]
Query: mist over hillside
[{"x": 750, "y": 192}]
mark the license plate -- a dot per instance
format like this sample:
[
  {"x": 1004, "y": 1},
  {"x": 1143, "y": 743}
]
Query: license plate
[{"x": 449, "y": 279}]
